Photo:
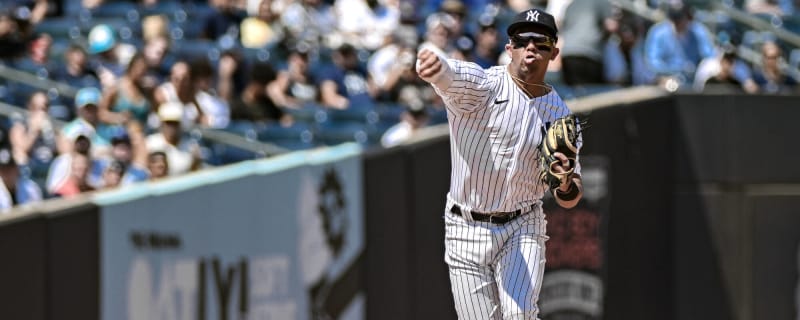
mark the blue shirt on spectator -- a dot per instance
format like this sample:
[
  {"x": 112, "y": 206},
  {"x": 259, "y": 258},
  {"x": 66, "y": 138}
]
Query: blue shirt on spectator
[
  {"x": 349, "y": 83},
  {"x": 27, "y": 191},
  {"x": 669, "y": 53}
]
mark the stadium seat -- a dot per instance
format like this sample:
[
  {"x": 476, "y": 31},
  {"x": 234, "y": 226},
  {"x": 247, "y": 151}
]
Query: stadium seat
[
  {"x": 117, "y": 9},
  {"x": 337, "y": 132},
  {"x": 298, "y": 136},
  {"x": 66, "y": 28},
  {"x": 359, "y": 110},
  {"x": 222, "y": 154},
  {"x": 196, "y": 48},
  {"x": 309, "y": 113},
  {"x": 794, "y": 58},
  {"x": 246, "y": 129},
  {"x": 389, "y": 112}
]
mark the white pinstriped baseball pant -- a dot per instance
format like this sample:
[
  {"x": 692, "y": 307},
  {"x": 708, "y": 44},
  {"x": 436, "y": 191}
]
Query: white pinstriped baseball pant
[{"x": 496, "y": 269}]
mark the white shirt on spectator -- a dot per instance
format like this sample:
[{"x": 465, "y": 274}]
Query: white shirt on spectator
[
  {"x": 179, "y": 158},
  {"x": 215, "y": 109}
]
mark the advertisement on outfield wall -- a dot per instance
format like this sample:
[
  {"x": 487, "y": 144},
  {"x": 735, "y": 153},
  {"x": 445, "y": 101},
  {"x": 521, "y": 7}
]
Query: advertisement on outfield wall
[
  {"x": 572, "y": 287},
  {"x": 278, "y": 245}
]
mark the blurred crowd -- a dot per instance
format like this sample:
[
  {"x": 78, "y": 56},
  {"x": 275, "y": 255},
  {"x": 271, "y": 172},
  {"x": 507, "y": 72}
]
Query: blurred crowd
[{"x": 303, "y": 73}]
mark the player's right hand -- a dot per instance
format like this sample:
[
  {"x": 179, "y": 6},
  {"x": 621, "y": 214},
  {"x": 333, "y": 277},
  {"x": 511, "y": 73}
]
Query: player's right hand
[{"x": 428, "y": 64}]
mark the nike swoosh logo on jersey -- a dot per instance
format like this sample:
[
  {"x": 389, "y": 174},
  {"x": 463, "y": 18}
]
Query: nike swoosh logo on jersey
[{"x": 496, "y": 101}]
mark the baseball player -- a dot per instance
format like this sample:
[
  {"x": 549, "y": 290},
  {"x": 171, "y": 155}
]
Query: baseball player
[{"x": 494, "y": 224}]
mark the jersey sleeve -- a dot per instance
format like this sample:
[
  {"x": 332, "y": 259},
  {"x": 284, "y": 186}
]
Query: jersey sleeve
[{"x": 470, "y": 88}]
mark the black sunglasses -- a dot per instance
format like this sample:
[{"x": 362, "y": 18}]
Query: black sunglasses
[{"x": 542, "y": 42}]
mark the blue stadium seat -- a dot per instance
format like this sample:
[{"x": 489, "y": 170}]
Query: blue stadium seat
[
  {"x": 298, "y": 136},
  {"x": 564, "y": 91},
  {"x": 196, "y": 48},
  {"x": 438, "y": 116},
  {"x": 794, "y": 58},
  {"x": 336, "y": 132},
  {"x": 117, "y": 9},
  {"x": 389, "y": 112},
  {"x": 66, "y": 28},
  {"x": 168, "y": 8},
  {"x": 224, "y": 154},
  {"x": 247, "y": 129},
  {"x": 792, "y": 23},
  {"x": 359, "y": 110},
  {"x": 309, "y": 113}
]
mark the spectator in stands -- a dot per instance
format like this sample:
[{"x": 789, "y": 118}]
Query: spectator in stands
[
  {"x": 77, "y": 180},
  {"x": 401, "y": 76},
  {"x": 215, "y": 109},
  {"x": 346, "y": 82},
  {"x": 294, "y": 86},
  {"x": 393, "y": 64},
  {"x": 86, "y": 105},
  {"x": 585, "y": 28},
  {"x": 181, "y": 90},
  {"x": 128, "y": 154},
  {"x": 15, "y": 189},
  {"x": 91, "y": 4},
  {"x": 231, "y": 75},
  {"x": 157, "y": 47},
  {"x": 12, "y": 39},
  {"x": 157, "y": 165},
  {"x": 487, "y": 49},
  {"x": 412, "y": 119},
  {"x": 182, "y": 155},
  {"x": 33, "y": 137},
  {"x": 61, "y": 169},
  {"x": 254, "y": 104},
  {"x": 31, "y": 11},
  {"x": 223, "y": 20},
  {"x": 309, "y": 21},
  {"x": 769, "y": 77},
  {"x": 437, "y": 34},
  {"x": 457, "y": 12},
  {"x": 159, "y": 60},
  {"x": 37, "y": 60},
  {"x": 724, "y": 80},
  {"x": 674, "y": 48},
  {"x": 558, "y": 9},
  {"x": 129, "y": 99},
  {"x": 623, "y": 54},
  {"x": 366, "y": 24},
  {"x": 112, "y": 174},
  {"x": 75, "y": 70},
  {"x": 106, "y": 53},
  {"x": 263, "y": 29},
  {"x": 718, "y": 69},
  {"x": 778, "y": 8}
]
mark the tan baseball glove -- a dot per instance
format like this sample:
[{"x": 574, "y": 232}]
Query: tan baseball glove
[{"x": 561, "y": 136}]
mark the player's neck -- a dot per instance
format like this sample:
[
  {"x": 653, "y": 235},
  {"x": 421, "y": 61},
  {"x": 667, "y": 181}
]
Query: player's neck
[{"x": 531, "y": 87}]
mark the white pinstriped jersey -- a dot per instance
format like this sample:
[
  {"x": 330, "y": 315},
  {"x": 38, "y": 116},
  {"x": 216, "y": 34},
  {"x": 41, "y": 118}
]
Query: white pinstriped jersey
[{"x": 494, "y": 133}]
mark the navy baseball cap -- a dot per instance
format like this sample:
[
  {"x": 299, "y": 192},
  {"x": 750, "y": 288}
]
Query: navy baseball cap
[
  {"x": 534, "y": 17},
  {"x": 120, "y": 138}
]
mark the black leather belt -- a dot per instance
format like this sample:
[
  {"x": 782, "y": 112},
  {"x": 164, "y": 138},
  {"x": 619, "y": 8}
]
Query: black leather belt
[{"x": 495, "y": 217}]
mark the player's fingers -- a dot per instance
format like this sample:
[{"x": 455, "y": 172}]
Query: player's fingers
[
  {"x": 429, "y": 66},
  {"x": 561, "y": 158},
  {"x": 423, "y": 53}
]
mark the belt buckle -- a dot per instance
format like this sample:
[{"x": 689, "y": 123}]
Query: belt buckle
[{"x": 498, "y": 219}]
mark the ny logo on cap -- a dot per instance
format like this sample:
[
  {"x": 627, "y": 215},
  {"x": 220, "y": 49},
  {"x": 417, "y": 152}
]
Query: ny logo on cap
[{"x": 533, "y": 15}]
